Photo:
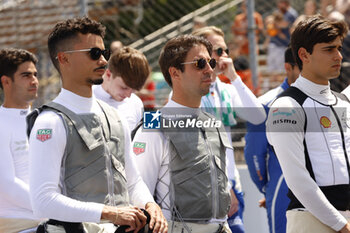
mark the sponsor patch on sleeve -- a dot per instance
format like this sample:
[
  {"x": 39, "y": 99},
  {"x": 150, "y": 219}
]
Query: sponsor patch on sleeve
[
  {"x": 283, "y": 116},
  {"x": 43, "y": 134},
  {"x": 139, "y": 147},
  {"x": 286, "y": 119}
]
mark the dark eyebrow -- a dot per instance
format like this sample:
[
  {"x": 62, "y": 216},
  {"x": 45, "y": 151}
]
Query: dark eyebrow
[
  {"x": 28, "y": 73},
  {"x": 330, "y": 47}
]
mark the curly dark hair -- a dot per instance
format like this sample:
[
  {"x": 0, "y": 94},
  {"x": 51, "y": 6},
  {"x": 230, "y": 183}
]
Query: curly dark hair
[
  {"x": 11, "y": 58},
  {"x": 65, "y": 33},
  {"x": 175, "y": 51}
]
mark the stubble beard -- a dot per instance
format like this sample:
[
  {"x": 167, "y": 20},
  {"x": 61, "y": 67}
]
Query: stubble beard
[
  {"x": 96, "y": 81},
  {"x": 205, "y": 90},
  {"x": 31, "y": 97}
]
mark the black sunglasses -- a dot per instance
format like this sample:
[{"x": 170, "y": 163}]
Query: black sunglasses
[
  {"x": 201, "y": 62},
  {"x": 220, "y": 51},
  {"x": 95, "y": 53}
]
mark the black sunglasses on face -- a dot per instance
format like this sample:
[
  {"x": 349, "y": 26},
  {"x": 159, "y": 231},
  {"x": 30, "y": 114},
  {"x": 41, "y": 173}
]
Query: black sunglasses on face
[
  {"x": 95, "y": 53},
  {"x": 220, "y": 51},
  {"x": 201, "y": 62}
]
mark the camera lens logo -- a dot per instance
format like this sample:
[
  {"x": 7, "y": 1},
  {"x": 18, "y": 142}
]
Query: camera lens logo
[{"x": 151, "y": 120}]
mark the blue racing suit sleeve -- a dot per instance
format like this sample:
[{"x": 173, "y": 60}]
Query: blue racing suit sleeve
[{"x": 256, "y": 153}]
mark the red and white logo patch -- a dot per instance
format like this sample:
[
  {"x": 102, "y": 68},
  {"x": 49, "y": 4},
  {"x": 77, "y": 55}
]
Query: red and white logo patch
[
  {"x": 43, "y": 134},
  {"x": 139, "y": 147}
]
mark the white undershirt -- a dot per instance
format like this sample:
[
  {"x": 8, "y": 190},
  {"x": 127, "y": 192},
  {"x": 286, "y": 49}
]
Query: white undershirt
[
  {"x": 289, "y": 148},
  {"x": 14, "y": 174},
  {"x": 45, "y": 166},
  {"x": 131, "y": 107}
]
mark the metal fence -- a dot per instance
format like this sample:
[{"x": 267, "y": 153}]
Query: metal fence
[
  {"x": 143, "y": 24},
  {"x": 140, "y": 23},
  {"x": 220, "y": 13}
]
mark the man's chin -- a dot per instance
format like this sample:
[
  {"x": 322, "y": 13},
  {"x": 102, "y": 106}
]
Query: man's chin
[
  {"x": 32, "y": 98},
  {"x": 205, "y": 91},
  {"x": 334, "y": 75},
  {"x": 97, "y": 81},
  {"x": 120, "y": 99}
]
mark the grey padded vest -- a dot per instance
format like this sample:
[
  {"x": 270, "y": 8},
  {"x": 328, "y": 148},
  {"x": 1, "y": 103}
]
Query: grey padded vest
[
  {"x": 199, "y": 190},
  {"x": 84, "y": 167}
]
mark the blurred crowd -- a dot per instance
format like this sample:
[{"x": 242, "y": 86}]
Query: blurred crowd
[{"x": 97, "y": 168}]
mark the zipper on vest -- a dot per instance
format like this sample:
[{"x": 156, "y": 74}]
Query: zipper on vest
[
  {"x": 108, "y": 160},
  {"x": 343, "y": 141},
  {"x": 214, "y": 176}
]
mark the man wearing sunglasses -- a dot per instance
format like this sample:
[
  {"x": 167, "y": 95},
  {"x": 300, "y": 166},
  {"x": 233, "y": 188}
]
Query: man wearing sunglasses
[
  {"x": 82, "y": 175},
  {"x": 225, "y": 101},
  {"x": 127, "y": 71},
  {"x": 185, "y": 167}
]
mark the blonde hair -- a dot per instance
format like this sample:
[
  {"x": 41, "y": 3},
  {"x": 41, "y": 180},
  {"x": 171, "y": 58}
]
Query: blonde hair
[{"x": 207, "y": 31}]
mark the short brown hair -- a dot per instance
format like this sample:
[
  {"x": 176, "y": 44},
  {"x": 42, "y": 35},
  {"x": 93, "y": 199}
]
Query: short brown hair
[
  {"x": 175, "y": 51},
  {"x": 11, "y": 58},
  {"x": 131, "y": 65},
  {"x": 62, "y": 35},
  {"x": 207, "y": 31},
  {"x": 314, "y": 30}
]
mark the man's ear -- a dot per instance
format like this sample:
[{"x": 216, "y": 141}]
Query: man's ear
[
  {"x": 174, "y": 73},
  {"x": 62, "y": 58},
  {"x": 288, "y": 67},
  {"x": 303, "y": 55},
  {"x": 5, "y": 80},
  {"x": 108, "y": 74}
]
